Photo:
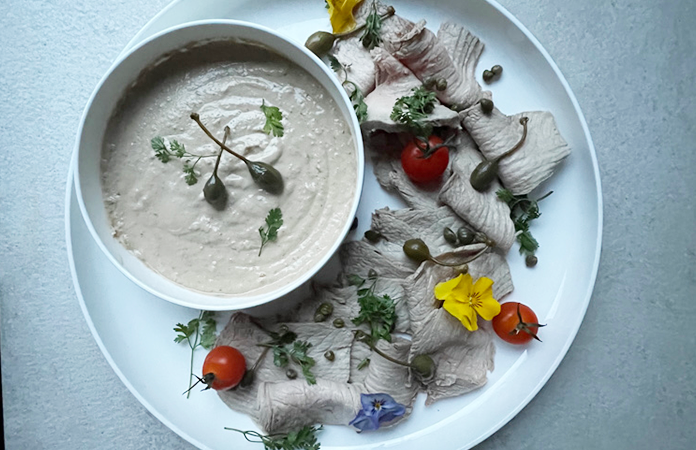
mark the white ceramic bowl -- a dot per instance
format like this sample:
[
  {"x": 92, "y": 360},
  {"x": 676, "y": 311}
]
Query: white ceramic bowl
[{"x": 94, "y": 122}]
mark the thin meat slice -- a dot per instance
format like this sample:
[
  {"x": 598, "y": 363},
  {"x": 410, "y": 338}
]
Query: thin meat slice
[
  {"x": 465, "y": 50},
  {"x": 483, "y": 210},
  {"x": 429, "y": 58},
  {"x": 462, "y": 358},
  {"x": 358, "y": 257},
  {"x": 292, "y": 404},
  {"x": 542, "y": 151},
  {"x": 394, "y": 81}
]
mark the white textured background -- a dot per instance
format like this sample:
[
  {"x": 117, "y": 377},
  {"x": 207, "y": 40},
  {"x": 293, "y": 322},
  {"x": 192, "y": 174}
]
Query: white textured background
[{"x": 628, "y": 381}]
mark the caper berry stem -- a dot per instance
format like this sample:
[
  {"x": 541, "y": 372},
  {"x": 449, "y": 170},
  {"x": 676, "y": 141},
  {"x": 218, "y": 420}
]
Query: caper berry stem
[
  {"x": 364, "y": 338},
  {"x": 523, "y": 121},
  {"x": 224, "y": 141},
  {"x": 249, "y": 375},
  {"x": 197, "y": 119}
]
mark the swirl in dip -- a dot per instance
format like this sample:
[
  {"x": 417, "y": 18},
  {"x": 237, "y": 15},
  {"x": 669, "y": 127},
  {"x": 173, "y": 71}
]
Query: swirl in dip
[{"x": 169, "y": 225}]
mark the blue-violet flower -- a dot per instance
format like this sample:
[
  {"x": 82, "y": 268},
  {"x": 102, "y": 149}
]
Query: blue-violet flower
[{"x": 377, "y": 409}]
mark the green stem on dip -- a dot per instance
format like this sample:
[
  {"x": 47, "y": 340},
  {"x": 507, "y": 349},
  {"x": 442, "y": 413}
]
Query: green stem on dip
[{"x": 265, "y": 175}]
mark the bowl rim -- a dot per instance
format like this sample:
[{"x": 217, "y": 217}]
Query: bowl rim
[{"x": 238, "y": 302}]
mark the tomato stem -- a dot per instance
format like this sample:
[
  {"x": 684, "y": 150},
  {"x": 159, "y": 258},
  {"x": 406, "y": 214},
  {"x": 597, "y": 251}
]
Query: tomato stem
[{"x": 524, "y": 326}]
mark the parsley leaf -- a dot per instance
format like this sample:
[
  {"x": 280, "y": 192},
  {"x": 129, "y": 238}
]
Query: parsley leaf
[
  {"x": 190, "y": 177},
  {"x": 274, "y": 220},
  {"x": 297, "y": 353},
  {"x": 273, "y": 118},
  {"x": 196, "y": 336},
  {"x": 411, "y": 110},
  {"x": 160, "y": 149},
  {"x": 303, "y": 439},
  {"x": 523, "y": 210},
  {"x": 178, "y": 150},
  {"x": 356, "y": 96},
  {"x": 379, "y": 312}
]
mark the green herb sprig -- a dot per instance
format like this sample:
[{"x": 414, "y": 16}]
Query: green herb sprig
[
  {"x": 273, "y": 118},
  {"x": 303, "y": 439},
  {"x": 371, "y": 37},
  {"x": 199, "y": 332},
  {"x": 411, "y": 111},
  {"x": 379, "y": 312},
  {"x": 356, "y": 96},
  {"x": 284, "y": 352},
  {"x": 523, "y": 210},
  {"x": 178, "y": 150},
  {"x": 274, "y": 220}
]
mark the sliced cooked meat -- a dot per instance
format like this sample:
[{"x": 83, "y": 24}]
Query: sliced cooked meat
[
  {"x": 394, "y": 81},
  {"x": 483, "y": 210},
  {"x": 429, "y": 58},
  {"x": 462, "y": 358},
  {"x": 542, "y": 151},
  {"x": 359, "y": 257}
]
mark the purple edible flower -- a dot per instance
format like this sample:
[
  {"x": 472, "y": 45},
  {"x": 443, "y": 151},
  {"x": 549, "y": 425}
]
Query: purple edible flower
[{"x": 377, "y": 409}]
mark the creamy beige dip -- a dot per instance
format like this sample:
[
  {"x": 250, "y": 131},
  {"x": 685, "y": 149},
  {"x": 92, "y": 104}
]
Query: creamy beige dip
[{"x": 169, "y": 225}]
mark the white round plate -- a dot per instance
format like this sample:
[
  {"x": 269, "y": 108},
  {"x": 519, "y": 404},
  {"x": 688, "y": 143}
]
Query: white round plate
[{"x": 134, "y": 328}]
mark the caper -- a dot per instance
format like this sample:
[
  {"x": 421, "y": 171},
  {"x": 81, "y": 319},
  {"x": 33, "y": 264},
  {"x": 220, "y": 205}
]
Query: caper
[
  {"x": 266, "y": 176},
  {"x": 329, "y": 355},
  {"x": 417, "y": 250},
  {"x": 488, "y": 76},
  {"x": 325, "y": 309},
  {"x": 483, "y": 175},
  {"x": 441, "y": 84},
  {"x": 497, "y": 70},
  {"x": 465, "y": 236},
  {"x": 339, "y": 323},
  {"x": 372, "y": 274},
  {"x": 354, "y": 225},
  {"x": 531, "y": 260},
  {"x": 450, "y": 236},
  {"x": 283, "y": 329},
  {"x": 424, "y": 366},
  {"x": 291, "y": 374},
  {"x": 429, "y": 108},
  {"x": 430, "y": 84},
  {"x": 320, "y": 43},
  {"x": 486, "y": 105},
  {"x": 319, "y": 317},
  {"x": 372, "y": 236}
]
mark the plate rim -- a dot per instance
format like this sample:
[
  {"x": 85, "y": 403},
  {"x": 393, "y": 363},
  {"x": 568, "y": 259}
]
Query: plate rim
[{"x": 587, "y": 296}]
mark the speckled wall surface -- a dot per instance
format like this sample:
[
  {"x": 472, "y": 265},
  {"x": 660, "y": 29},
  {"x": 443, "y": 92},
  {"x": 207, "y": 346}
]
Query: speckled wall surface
[{"x": 628, "y": 381}]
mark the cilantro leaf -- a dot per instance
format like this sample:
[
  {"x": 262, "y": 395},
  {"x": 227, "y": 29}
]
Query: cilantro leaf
[
  {"x": 523, "y": 210},
  {"x": 273, "y": 118},
  {"x": 195, "y": 336},
  {"x": 298, "y": 353},
  {"x": 190, "y": 177},
  {"x": 335, "y": 63},
  {"x": 373, "y": 25},
  {"x": 161, "y": 152},
  {"x": 274, "y": 220},
  {"x": 177, "y": 148},
  {"x": 411, "y": 110},
  {"x": 379, "y": 312},
  {"x": 303, "y": 439}
]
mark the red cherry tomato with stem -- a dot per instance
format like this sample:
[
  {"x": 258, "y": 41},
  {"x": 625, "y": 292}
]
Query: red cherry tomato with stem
[
  {"x": 516, "y": 323},
  {"x": 420, "y": 166},
  {"x": 223, "y": 368}
]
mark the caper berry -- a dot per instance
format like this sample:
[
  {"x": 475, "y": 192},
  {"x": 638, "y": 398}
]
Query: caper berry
[
  {"x": 424, "y": 366},
  {"x": 497, "y": 70},
  {"x": 487, "y": 75},
  {"x": 450, "y": 236},
  {"x": 441, "y": 84},
  {"x": 429, "y": 108},
  {"x": 215, "y": 192},
  {"x": 372, "y": 274},
  {"x": 291, "y": 374},
  {"x": 531, "y": 260},
  {"x": 283, "y": 329},
  {"x": 320, "y": 42},
  {"x": 465, "y": 236},
  {"x": 266, "y": 176},
  {"x": 372, "y": 236},
  {"x": 417, "y": 250},
  {"x": 430, "y": 84},
  {"x": 247, "y": 379},
  {"x": 486, "y": 105},
  {"x": 329, "y": 355},
  {"x": 325, "y": 309},
  {"x": 319, "y": 317},
  {"x": 339, "y": 323},
  {"x": 483, "y": 175}
]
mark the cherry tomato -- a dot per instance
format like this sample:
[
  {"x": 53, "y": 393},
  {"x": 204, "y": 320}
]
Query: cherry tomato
[
  {"x": 223, "y": 368},
  {"x": 516, "y": 323},
  {"x": 421, "y": 169}
]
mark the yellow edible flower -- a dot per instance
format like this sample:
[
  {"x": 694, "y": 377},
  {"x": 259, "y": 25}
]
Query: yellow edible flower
[
  {"x": 464, "y": 300},
  {"x": 341, "y": 14}
]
